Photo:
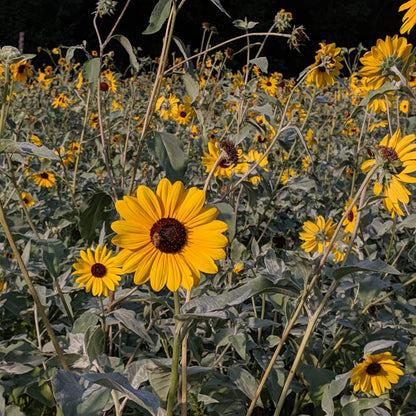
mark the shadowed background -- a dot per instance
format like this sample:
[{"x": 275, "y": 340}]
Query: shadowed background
[{"x": 50, "y": 23}]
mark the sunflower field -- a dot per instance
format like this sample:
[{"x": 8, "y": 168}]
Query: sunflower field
[{"x": 182, "y": 238}]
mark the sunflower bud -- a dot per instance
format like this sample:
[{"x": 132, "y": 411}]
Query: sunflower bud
[{"x": 8, "y": 54}]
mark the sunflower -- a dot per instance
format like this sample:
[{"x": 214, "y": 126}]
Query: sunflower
[
  {"x": 184, "y": 112},
  {"x": 269, "y": 85},
  {"x": 396, "y": 160},
  {"x": 317, "y": 234},
  {"x": 379, "y": 61},
  {"x": 21, "y": 71},
  {"x": 404, "y": 106},
  {"x": 228, "y": 163},
  {"x": 45, "y": 179},
  {"x": 287, "y": 174},
  {"x": 409, "y": 18},
  {"x": 167, "y": 107},
  {"x": 349, "y": 222},
  {"x": 27, "y": 199},
  {"x": 60, "y": 101},
  {"x": 377, "y": 373},
  {"x": 36, "y": 140},
  {"x": 326, "y": 67},
  {"x": 99, "y": 272},
  {"x": 168, "y": 237}
]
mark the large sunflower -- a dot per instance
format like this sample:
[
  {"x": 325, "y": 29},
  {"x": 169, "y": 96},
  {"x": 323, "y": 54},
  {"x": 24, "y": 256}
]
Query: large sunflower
[
  {"x": 168, "y": 237},
  {"x": 21, "y": 71},
  {"x": 396, "y": 159},
  {"x": 379, "y": 61},
  {"x": 316, "y": 235},
  {"x": 326, "y": 67},
  {"x": 377, "y": 373},
  {"x": 409, "y": 18},
  {"x": 99, "y": 272}
]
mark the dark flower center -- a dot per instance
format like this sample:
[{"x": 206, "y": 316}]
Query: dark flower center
[
  {"x": 182, "y": 114},
  {"x": 231, "y": 154},
  {"x": 388, "y": 153},
  {"x": 98, "y": 270},
  {"x": 373, "y": 369},
  {"x": 168, "y": 235},
  {"x": 21, "y": 69},
  {"x": 350, "y": 216},
  {"x": 44, "y": 175}
]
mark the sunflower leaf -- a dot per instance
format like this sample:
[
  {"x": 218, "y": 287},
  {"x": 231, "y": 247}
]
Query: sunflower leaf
[
  {"x": 376, "y": 265},
  {"x": 169, "y": 153},
  {"x": 127, "y": 46},
  {"x": 159, "y": 15}
]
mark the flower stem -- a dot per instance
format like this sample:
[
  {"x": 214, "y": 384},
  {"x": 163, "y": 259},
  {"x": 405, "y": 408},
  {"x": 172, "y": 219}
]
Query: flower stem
[{"x": 175, "y": 358}]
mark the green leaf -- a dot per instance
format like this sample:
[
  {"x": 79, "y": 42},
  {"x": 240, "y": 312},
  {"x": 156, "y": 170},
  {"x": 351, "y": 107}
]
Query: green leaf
[
  {"x": 334, "y": 388},
  {"x": 93, "y": 214},
  {"x": 262, "y": 63},
  {"x": 317, "y": 378},
  {"x": 127, "y": 46},
  {"x": 119, "y": 382},
  {"x": 366, "y": 265},
  {"x": 53, "y": 254},
  {"x": 39, "y": 151},
  {"x": 218, "y": 4},
  {"x": 159, "y": 15},
  {"x": 94, "y": 342},
  {"x": 91, "y": 70},
  {"x": 169, "y": 153},
  {"x": 354, "y": 408},
  {"x": 128, "y": 319},
  {"x": 9, "y": 146},
  {"x": 86, "y": 320},
  {"x": 77, "y": 396},
  {"x": 245, "y": 382},
  {"x": 191, "y": 85},
  {"x": 381, "y": 344},
  {"x": 228, "y": 216}
]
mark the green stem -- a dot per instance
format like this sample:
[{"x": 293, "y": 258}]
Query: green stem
[
  {"x": 31, "y": 287},
  {"x": 175, "y": 359}
]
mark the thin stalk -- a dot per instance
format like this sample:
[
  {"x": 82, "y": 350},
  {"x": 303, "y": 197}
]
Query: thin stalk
[
  {"x": 155, "y": 91},
  {"x": 32, "y": 288},
  {"x": 307, "y": 292},
  {"x": 184, "y": 366},
  {"x": 175, "y": 359}
]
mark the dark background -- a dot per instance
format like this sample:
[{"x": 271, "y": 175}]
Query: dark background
[{"x": 51, "y": 23}]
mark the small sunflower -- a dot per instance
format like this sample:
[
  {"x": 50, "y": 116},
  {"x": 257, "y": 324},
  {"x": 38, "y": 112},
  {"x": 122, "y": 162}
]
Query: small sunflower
[
  {"x": 349, "y": 222},
  {"x": 36, "y": 140},
  {"x": 404, "y": 106},
  {"x": 326, "y": 67},
  {"x": 45, "y": 179},
  {"x": 168, "y": 237},
  {"x": 409, "y": 18},
  {"x": 396, "y": 160},
  {"x": 167, "y": 107},
  {"x": 60, "y": 101},
  {"x": 269, "y": 85},
  {"x": 316, "y": 235},
  {"x": 21, "y": 71},
  {"x": 377, "y": 373},
  {"x": 378, "y": 62},
  {"x": 27, "y": 199},
  {"x": 184, "y": 112},
  {"x": 99, "y": 272}
]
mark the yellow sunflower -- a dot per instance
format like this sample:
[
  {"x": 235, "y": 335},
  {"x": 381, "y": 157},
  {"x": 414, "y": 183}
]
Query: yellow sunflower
[
  {"x": 409, "y": 18},
  {"x": 316, "y": 235},
  {"x": 27, "y": 199},
  {"x": 269, "y": 85},
  {"x": 349, "y": 222},
  {"x": 167, "y": 107},
  {"x": 326, "y": 67},
  {"x": 379, "y": 61},
  {"x": 99, "y": 272},
  {"x": 60, "y": 101},
  {"x": 228, "y": 163},
  {"x": 377, "y": 373},
  {"x": 168, "y": 237},
  {"x": 396, "y": 159},
  {"x": 21, "y": 71},
  {"x": 45, "y": 179},
  {"x": 184, "y": 112}
]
